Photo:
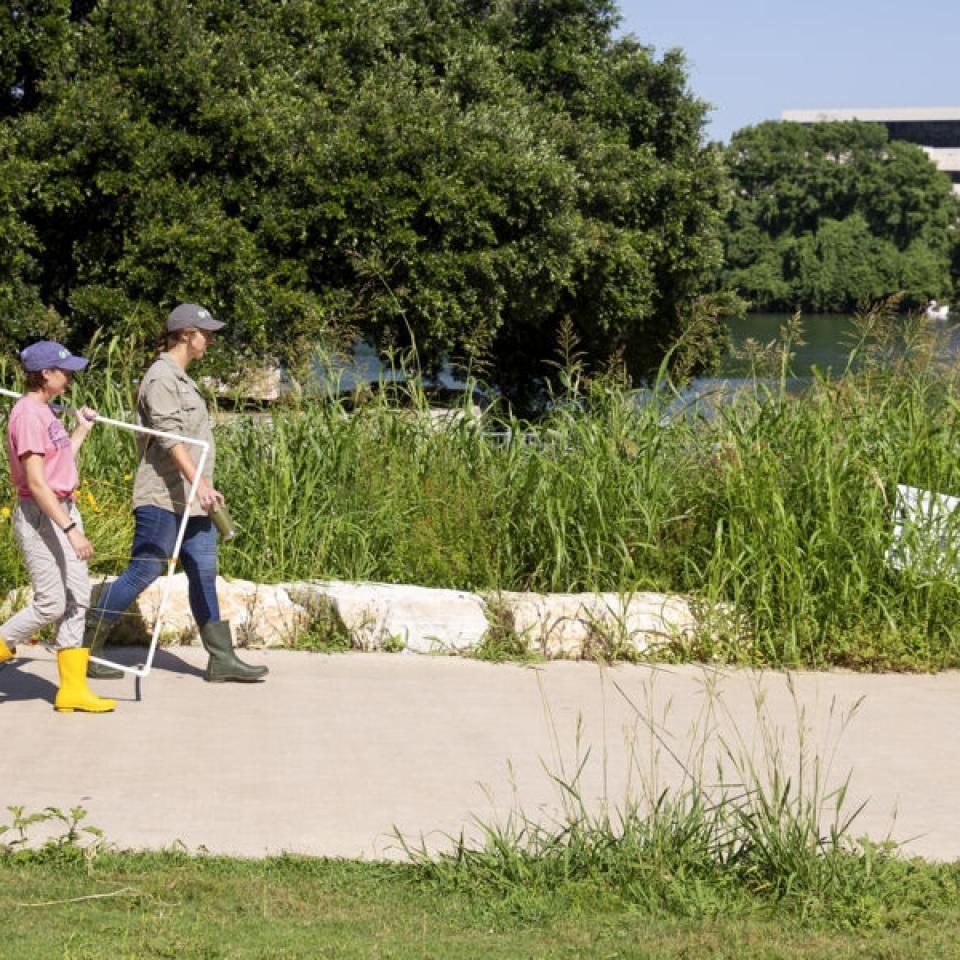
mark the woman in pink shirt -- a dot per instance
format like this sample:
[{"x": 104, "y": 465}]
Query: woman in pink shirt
[{"x": 47, "y": 525}]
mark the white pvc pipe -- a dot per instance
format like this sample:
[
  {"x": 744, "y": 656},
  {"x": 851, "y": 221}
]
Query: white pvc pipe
[{"x": 204, "y": 450}]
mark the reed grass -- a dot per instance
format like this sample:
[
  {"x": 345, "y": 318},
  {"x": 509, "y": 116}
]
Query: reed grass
[{"x": 775, "y": 507}]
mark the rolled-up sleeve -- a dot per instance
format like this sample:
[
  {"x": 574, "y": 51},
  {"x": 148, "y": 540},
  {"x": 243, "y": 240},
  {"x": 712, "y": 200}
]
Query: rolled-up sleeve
[{"x": 163, "y": 410}]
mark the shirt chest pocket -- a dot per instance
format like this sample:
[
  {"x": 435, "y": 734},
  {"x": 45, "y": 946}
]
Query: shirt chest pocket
[{"x": 191, "y": 405}]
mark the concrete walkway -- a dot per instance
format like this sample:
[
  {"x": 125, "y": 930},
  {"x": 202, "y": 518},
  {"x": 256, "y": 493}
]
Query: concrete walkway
[{"x": 333, "y": 752}]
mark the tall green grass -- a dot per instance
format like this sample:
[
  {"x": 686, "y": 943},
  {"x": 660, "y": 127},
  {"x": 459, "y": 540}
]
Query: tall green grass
[{"x": 774, "y": 508}]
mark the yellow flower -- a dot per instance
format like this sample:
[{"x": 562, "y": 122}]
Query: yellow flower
[
  {"x": 4, "y": 513},
  {"x": 91, "y": 500},
  {"x": 127, "y": 476}
]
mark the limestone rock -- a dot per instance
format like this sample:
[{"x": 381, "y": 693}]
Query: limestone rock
[
  {"x": 262, "y": 384},
  {"x": 379, "y": 616},
  {"x": 261, "y": 614},
  {"x": 394, "y": 616},
  {"x": 591, "y": 624},
  {"x": 13, "y": 601}
]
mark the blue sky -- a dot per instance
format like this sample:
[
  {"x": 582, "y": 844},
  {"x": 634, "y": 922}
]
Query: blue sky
[{"x": 754, "y": 59}]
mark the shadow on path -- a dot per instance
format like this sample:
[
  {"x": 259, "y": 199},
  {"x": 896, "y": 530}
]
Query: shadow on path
[
  {"x": 163, "y": 660},
  {"x": 17, "y": 684}
]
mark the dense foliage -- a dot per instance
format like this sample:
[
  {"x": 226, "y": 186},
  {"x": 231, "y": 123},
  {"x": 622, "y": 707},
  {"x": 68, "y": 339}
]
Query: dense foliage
[
  {"x": 829, "y": 214},
  {"x": 460, "y": 174}
]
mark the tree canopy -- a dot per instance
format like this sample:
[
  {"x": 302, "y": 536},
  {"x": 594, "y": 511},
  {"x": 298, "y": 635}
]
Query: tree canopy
[
  {"x": 828, "y": 214},
  {"x": 464, "y": 175}
]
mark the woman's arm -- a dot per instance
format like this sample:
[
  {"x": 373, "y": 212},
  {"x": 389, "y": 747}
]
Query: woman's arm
[
  {"x": 161, "y": 405},
  {"x": 207, "y": 495},
  {"x": 48, "y": 502}
]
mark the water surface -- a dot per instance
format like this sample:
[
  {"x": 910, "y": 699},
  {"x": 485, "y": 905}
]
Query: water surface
[{"x": 827, "y": 341}]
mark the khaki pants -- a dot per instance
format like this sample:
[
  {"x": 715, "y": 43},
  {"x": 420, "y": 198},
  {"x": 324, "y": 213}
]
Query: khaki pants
[{"x": 61, "y": 583}]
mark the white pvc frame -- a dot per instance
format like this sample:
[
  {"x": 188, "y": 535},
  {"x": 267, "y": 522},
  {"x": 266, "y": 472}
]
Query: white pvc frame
[{"x": 172, "y": 563}]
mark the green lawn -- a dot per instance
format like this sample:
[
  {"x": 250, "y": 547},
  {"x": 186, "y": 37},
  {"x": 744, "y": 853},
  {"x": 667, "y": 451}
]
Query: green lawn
[{"x": 173, "y": 905}]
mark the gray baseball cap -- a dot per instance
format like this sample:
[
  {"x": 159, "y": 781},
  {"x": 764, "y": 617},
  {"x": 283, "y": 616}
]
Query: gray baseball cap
[{"x": 192, "y": 315}]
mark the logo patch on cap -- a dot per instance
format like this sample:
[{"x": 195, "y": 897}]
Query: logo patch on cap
[
  {"x": 202, "y": 314},
  {"x": 62, "y": 354}
]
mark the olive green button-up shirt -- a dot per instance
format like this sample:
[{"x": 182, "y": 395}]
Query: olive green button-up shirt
[{"x": 169, "y": 401}]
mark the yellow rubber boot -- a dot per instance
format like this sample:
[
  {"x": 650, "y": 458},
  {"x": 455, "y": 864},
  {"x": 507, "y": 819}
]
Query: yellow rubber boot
[
  {"x": 74, "y": 693},
  {"x": 5, "y": 652}
]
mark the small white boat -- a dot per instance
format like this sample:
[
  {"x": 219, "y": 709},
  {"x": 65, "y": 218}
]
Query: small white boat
[{"x": 937, "y": 311}]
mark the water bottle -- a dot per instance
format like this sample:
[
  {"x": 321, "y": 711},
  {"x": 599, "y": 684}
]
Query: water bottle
[{"x": 223, "y": 521}]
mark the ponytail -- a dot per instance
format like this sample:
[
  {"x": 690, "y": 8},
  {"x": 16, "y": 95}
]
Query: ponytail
[{"x": 168, "y": 339}]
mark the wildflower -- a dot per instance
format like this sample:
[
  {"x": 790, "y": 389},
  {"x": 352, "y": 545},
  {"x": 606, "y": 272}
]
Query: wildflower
[{"x": 4, "y": 513}]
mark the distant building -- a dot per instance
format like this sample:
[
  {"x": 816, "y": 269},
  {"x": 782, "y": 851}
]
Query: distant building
[{"x": 936, "y": 129}]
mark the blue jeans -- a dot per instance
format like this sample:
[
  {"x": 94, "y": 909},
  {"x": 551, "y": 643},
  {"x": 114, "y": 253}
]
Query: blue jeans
[{"x": 154, "y": 538}]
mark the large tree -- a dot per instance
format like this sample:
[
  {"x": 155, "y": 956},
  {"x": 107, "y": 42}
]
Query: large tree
[
  {"x": 461, "y": 174},
  {"x": 828, "y": 214}
]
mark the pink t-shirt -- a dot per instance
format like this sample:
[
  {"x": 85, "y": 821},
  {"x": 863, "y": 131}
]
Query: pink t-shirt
[{"x": 34, "y": 428}]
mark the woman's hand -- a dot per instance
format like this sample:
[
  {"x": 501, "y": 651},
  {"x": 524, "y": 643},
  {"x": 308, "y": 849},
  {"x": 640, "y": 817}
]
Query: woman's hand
[
  {"x": 209, "y": 498},
  {"x": 86, "y": 416},
  {"x": 80, "y": 544}
]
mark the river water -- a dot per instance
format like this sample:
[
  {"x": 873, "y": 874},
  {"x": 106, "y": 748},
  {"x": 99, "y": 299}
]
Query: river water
[{"x": 827, "y": 340}]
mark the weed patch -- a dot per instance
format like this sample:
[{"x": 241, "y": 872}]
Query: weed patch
[
  {"x": 502, "y": 640},
  {"x": 324, "y": 630},
  {"x": 744, "y": 832}
]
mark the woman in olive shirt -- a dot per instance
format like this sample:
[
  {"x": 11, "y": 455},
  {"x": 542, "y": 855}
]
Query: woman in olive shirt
[{"x": 169, "y": 401}]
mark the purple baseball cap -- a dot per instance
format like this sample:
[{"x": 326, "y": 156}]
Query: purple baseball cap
[{"x": 49, "y": 355}]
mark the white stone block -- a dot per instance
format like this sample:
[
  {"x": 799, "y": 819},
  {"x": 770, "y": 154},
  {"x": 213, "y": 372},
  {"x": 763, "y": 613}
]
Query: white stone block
[
  {"x": 587, "y": 624},
  {"x": 421, "y": 619}
]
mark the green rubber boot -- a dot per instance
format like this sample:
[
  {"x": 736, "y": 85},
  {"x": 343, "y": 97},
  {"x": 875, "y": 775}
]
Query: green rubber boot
[
  {"x": 224, "y": 664},
  {"x": 95, "y": 633}
]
